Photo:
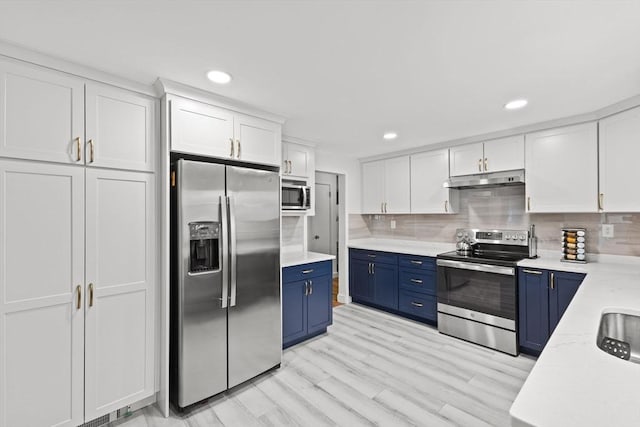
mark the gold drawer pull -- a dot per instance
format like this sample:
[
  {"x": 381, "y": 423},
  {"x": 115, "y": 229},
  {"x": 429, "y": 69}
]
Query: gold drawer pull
[
  {"x": 416, "y": 262},
  {"x": 416, "y": 304},
  {"x": 307, "y": 271},
  {"x": 418, "y": 281}
]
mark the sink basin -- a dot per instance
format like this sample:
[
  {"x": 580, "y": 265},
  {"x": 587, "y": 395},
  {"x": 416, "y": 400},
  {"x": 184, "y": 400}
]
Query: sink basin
[{"x": 619, "y": 334}]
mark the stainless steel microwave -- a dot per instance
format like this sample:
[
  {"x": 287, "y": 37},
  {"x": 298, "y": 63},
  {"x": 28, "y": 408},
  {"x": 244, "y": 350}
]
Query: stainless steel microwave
[{"x": 296, "y": 195}]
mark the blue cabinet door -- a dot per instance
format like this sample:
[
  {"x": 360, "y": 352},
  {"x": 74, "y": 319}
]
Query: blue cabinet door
[
  {"x": 533, "y": 311},
  {"x": 385, "y": 285},
  {"x": 319, "y": 311},
  {"x": 563, "y": 288},
  {"x": 360, "y": 280},
  {"x": 294, "y": 311}
]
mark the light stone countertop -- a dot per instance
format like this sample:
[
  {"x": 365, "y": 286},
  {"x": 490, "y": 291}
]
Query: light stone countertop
[
  {"x": 409, "y": 247},
  {"x": 289, "y": 259},
  {"x": 573, "y": 383}
]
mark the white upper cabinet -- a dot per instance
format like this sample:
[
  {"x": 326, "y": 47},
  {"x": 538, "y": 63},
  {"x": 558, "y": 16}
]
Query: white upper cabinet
[
  {"x": 46, "y": 115},
  {"x": 466, "y": 159},
  {"x": 257, "y": 140},
  {"x": 297, "y": 160},
  {"x": 397, "y": 187},
  {"x": 386, "y": 187},
  {"x": 202, "y": 129},
  {"x": 491, "y": 156},
  {"x": 373, "y": 182},
  {"x": 41, "y": 114},
  {"x": 619, "y": 153},
  {"x": 206, "y": 130},
  {"x": 504, "y": 154},
  {"x": 562, "y": 169},
  {"x": 119, "y": 128},
  {"x": 429, "y": 171}
]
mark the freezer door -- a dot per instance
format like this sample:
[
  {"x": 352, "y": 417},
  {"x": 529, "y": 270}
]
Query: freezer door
[
  {"x": 201, "y": 309},
  {"x": 255, "y": 338}
]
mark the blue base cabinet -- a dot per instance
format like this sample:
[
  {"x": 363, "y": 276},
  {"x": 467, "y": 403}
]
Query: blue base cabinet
[
  {"x": 306, "y": 301},
  {"x": 373, "y": 278},
  {"x": 543, "y": 297},
  {"x": 398, "y": 283},
  {"x": 417, "y": 287}
]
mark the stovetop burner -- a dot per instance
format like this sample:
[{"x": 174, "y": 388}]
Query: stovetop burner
[
  {"x": 496, "y": 247},
  {"x": 506, "y": 259}
]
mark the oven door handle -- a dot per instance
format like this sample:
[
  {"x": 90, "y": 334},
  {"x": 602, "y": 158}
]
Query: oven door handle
[{"x": 486, "y": 268}]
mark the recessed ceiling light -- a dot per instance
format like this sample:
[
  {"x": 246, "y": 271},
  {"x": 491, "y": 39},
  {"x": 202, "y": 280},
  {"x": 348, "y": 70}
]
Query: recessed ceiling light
[
  {"x": 219, "y": 77},
  {"x": 390, "y": 135},
  {"x": 515, "y": 104}
]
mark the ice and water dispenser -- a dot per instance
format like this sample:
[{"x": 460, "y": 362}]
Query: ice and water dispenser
[{"x": 204, "y": 243}]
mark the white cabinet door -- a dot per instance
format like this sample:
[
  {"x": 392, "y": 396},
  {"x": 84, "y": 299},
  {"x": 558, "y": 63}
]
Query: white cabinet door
[
  {"x": 41, "y": 114},
  {"x": 466, "y": 159},
  {"x": 298, "y": 160},
  {"x": 373, "y": 182},
  {"x": 257, "y": 140},
  {"x": 504, "y": 154},
  {"x": 119, "y": 128},
  {"x": 562, "y": 169},
  {"x": 42, "y": 264},
  {"x": 429, "y": 171},
  {"x": 119, "y": 367},
  {"x": 619, "y": 154},
  {"x": 397, "y": 186},
  {"x": 202, "y": 129}
]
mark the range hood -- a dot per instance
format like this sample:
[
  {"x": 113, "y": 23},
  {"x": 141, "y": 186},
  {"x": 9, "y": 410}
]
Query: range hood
[{"x": 487, "y": 180}]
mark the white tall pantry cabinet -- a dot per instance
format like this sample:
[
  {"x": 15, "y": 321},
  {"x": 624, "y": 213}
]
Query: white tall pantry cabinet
[{"x": 77, "y": 247}]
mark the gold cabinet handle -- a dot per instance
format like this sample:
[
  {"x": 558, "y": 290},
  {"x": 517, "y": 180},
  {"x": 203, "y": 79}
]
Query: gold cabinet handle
[
  {"x": 552, "y": 280},
  {"x": 446, "y": 207},
  {"x": 486, "y": 162},
  {"x": 416, "y": 281},
  {"x": 78, "y": 157},
  {"x": 90, "y": 150},
  {"x": 310, "y": 287},
  {"x": 416, "y": 304},
  {"x": 231, "y": 141},
  {"x": 528, "y": 203},
  {"x": 601, "y": 201},
  {"x": 382, "y": 207},
  {"x": 532, "y": 272},
  {"x": 290, "y": 167},
  {"x": 385, "y": 207},
  {"x": 78, "y": 297},
  {"x": 239, "y": 149},
  {"x": 369, "y": 268},
  {"x": 90, "y": 294},
  {"x": 479, "y": 165}
]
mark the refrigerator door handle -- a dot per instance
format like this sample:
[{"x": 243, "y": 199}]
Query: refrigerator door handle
[
  {"x": 225, "y": 252},
  {"x": 232, "y": 249}
]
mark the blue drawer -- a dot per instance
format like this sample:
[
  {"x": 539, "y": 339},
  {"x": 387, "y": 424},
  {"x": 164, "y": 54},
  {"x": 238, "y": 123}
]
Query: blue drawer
[
  {"x": 417, "y": 304},
  {"x": 374, "y": 256},
  {"x": 306, "y": 271},
  {"x": 422, "y": 281},
  {"x": 420, "y": 262}
]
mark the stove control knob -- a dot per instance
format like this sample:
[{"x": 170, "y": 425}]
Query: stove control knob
[
  {"x": 507, "y": 237},
  {"x": 522, "y": 237},
  {"x": 459, "y": 234}
]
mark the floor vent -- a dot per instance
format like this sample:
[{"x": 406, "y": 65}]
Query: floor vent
[{"x": 97, "y": 422}]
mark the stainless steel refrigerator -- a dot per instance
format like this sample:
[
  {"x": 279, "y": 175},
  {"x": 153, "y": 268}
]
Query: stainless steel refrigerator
[{"x": 225, "y": 285}]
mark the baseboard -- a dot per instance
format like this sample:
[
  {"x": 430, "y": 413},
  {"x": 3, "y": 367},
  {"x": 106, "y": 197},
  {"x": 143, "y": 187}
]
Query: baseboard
[{"x": 344, "y": 299}]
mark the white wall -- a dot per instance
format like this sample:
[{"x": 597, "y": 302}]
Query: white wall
[{"x": 334, "y": 162}]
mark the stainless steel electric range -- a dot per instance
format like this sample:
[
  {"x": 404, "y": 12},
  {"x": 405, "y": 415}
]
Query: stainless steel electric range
[{"x": 478, "y": 286}]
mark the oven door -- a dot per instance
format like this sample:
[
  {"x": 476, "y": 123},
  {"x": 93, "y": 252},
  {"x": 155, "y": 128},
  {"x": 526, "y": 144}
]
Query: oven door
[{"x": 483, "y": 288}]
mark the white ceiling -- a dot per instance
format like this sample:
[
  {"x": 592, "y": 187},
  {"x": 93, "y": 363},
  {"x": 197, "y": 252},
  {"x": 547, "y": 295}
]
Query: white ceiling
[{"x": 343, "y": 72}]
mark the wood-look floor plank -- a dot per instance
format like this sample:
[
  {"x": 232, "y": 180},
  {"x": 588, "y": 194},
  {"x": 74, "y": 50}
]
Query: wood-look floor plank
[{"x": 371, "y": 368}]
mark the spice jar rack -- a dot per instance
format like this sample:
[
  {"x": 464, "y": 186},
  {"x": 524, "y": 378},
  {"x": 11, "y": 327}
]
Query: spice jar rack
[{"x": 574, "y": 245}]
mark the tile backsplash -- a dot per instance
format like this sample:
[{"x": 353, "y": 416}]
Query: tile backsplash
[{"x": 504, "y": 207}]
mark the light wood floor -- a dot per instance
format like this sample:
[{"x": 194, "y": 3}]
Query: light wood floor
[
  {"x": 371, "y": 368},
  {"x": 334, "y": 293}
]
